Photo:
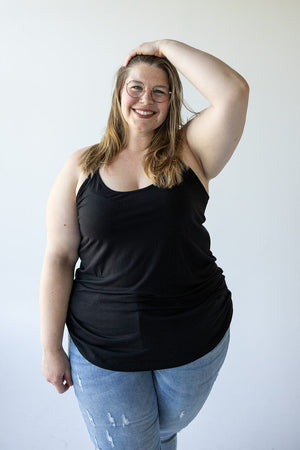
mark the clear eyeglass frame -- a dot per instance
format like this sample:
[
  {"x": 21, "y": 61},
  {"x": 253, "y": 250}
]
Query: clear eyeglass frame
[{"x": 136, "y": 89}]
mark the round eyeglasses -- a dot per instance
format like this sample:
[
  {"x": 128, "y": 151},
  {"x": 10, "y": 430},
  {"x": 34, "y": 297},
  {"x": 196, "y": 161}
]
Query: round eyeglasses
[{"x": 136, "y": 89}]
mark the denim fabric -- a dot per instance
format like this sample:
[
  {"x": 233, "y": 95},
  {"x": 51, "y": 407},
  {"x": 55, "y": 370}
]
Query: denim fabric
[{"x": 143, "y": 410}]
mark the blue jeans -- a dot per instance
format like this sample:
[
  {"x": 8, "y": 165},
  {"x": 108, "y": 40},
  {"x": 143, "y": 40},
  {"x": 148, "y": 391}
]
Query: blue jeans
[{"x": 143, "y": 410}]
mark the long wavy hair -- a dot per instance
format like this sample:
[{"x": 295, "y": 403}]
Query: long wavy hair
[{"x": 162, "y": 162}]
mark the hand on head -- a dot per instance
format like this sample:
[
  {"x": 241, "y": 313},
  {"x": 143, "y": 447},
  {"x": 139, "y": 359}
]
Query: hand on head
[{"x": 147, "y": 48}]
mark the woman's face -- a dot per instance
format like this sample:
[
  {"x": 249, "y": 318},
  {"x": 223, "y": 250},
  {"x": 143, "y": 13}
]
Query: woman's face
[{"x": 143, "y": 114}]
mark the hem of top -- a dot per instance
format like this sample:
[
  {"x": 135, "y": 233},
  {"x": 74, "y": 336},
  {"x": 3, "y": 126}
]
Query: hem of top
[{"x": 155, "y": 364}]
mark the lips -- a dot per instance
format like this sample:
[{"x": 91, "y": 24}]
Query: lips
[{"x": 144, "y": 113}]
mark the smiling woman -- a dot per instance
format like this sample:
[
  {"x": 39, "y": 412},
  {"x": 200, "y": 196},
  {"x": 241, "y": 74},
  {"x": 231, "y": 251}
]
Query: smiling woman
[
  {"x": 138, "y": 123},
  {"x": 140, "y": 108},
  {"x": 149, "y": 309}
]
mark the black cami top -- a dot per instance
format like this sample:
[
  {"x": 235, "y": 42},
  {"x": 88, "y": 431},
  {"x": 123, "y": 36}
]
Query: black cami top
[{"x": 148, "y": 293}]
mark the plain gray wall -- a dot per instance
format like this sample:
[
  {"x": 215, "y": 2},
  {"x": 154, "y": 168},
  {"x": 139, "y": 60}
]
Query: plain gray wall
[{"x": 58, "y": 60}]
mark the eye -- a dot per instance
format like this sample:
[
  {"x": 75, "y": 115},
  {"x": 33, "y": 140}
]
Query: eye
[
  {"x": 160, "y": 91},
  {"x": 136, "y": 87}
]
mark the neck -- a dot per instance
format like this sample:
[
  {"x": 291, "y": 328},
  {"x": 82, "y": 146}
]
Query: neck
[{"x": 138, "y": 142}]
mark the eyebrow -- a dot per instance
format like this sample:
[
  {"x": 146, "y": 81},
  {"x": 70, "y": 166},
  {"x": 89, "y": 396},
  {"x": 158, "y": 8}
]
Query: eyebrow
[{"x": 157, "y": 85}]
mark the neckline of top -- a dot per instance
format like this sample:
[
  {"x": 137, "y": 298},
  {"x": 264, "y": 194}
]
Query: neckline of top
[
  {"x": 150, "y": 186},
  {"x": 122, "y": 192}
]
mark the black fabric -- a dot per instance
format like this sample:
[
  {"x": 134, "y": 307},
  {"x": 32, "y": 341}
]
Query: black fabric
[{"x": 148, "y": 294}]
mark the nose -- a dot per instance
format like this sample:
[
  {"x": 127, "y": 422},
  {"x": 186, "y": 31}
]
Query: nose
[{"x": 147, "y": 96}]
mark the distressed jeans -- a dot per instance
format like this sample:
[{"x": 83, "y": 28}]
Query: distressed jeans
[{"x": 143, "y": 410}]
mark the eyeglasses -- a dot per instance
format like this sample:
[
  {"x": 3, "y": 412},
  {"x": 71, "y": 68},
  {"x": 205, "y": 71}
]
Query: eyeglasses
[{"x": 136, "y": 89}]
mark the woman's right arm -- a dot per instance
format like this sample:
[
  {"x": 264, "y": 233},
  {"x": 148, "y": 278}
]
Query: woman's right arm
[{"x": 61, "y": 255}]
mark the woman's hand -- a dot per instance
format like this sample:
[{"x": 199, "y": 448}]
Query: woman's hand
[
  {"x": 57, "y": 370},
  {"x": 147, "y": 48}
]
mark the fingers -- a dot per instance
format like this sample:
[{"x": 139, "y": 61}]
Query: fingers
[
  {"x": 131, "y": 54},
  {"x": 147, "y": 48},
  {"x": 68, "y": 378},
  {"x": 62, "y": 384},
  {"x": 57, "y": 370}
]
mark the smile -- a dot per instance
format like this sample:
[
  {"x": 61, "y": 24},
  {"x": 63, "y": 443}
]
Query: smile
[{"x": 143, "y": 113}]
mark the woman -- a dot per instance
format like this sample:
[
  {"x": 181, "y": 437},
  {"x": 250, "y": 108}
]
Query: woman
[{"x": 149, "y": 310}]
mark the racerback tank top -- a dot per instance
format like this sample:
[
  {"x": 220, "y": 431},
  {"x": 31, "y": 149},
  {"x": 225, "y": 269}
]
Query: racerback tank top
[{"x": 148, "y": 293}]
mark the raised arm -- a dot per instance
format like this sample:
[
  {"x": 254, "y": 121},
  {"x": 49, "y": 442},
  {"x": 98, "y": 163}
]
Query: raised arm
[
  {"x": 57, "y": 273},
  {"x": 214, "y": 133}
]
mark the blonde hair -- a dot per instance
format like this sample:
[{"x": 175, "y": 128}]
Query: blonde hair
[{"x": 162, "y": 161}]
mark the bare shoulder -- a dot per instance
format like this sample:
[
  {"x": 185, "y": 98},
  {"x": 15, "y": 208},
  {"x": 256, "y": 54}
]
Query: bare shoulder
[
  {"x": 72, "y": 169},
  {"x": 68, "y": 179},
  {"x": 73, "y": 162}
]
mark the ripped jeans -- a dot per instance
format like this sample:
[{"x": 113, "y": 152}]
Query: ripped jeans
[{"x": 143, "y": 410}]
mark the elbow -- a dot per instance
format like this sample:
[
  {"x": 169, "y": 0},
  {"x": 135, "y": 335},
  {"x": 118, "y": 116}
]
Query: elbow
[
  {"x": 237, "y": 93},
  {"x": 242, "y": 89},
  {"x": 62, "y": 259},
  {"x": 238, "y": 97}
]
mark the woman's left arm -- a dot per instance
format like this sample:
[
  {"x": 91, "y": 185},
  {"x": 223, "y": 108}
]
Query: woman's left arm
[{"x": 215, "y": 132}]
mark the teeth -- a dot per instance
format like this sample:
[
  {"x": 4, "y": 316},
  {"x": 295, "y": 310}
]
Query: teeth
[{"x": 144, "y": 113}]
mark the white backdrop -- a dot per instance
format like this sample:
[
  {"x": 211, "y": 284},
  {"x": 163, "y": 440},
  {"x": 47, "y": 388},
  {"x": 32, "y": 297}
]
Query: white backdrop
[{"x": 58, "y": 60}]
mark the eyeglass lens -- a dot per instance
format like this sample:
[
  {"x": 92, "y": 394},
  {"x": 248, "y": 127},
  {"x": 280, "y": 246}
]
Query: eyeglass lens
[{"x": 136, "y": 89}]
